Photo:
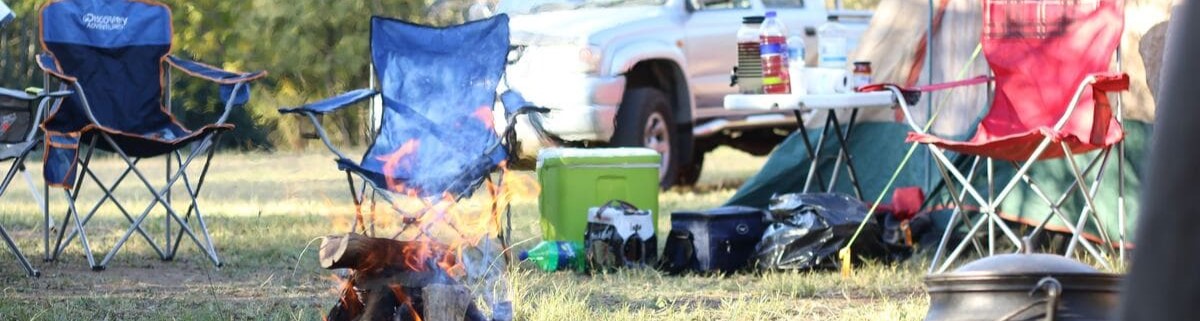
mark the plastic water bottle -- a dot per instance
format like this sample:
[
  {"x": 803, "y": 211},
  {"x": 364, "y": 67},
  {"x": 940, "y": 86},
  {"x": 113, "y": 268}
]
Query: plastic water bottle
[
  {"x": 832, "y": 44},
  {"x": 773, "y": 50},
  {"x": 553, "y": 256},
  {"x": 796, "y": 52}
]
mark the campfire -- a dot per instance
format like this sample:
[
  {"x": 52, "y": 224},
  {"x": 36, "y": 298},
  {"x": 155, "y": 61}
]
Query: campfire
[
  {"x": 396, "y": 280},
  {"x": 445, "y": 263}
]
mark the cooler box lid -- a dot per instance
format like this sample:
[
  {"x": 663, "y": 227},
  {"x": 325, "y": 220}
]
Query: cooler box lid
[{"x": 552, "y": 157}]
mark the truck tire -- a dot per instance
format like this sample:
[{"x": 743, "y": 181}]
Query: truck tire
[{"x": 645, "y": 120}]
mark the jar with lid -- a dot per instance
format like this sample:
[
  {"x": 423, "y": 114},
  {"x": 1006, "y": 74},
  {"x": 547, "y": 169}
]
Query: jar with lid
[
  {"x": 748, "y": 73},
  {"x": 862, "y": 74}
]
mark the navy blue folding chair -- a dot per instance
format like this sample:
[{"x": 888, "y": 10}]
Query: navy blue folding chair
[
  {"x": 114, "y": 55},
  {"x": 436, "y": 134}
]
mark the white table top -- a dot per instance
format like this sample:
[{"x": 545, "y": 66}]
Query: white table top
[{"x": 778, "y": 102}]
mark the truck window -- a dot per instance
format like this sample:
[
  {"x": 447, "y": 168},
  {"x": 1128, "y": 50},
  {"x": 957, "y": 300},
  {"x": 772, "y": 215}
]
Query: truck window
[
  {"x": 720, "y": 4},
  {"x": 783, "y": 3}
]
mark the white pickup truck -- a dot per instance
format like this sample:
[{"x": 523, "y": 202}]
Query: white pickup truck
[{"x": 649, "y": 73}]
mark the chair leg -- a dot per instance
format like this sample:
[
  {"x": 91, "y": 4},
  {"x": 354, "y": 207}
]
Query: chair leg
[
  {"x": 1121, "y": 201},
  {"x": 988, "y": 207},
  {"x": 157, "y": 193},
  {"x": 1056, "y": 212},
  {"x": 8, "y": 177},
  {"x": 959, "y": 213},
  {"x": 166, "y": 217},
  {"x": 194, "y": 194},
  {"x": 108, "y": 196},
  {"x": 59, "y": 245},
  {"x": 1087, "y": 194},
  {"x": 29, "y": 270},
  {"x": 208, "y": 247},
  {"x": 87, "y": 248}
]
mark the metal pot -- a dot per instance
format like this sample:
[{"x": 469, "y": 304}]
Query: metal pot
[{"x": 1022, "y": 287}]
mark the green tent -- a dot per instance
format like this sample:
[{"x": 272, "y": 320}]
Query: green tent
[{"x": 877, "y": 149}]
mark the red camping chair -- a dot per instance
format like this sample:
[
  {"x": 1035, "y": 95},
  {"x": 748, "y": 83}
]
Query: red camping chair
[{"x": 1049, "y": 59}]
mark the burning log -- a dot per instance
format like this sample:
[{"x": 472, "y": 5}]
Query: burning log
[{"x": 395, "y": 280}]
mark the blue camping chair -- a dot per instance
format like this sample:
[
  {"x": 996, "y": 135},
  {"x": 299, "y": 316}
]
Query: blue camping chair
[
  {"x": 113, "y": 54},
  {"x": 435, "y": 136}
]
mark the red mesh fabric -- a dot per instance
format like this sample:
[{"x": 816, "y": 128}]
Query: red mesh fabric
[{"x": 1040, "y": 51}]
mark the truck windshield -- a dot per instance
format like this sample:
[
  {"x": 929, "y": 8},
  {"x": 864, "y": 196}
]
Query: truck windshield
[{"x": 520, "y": 7}]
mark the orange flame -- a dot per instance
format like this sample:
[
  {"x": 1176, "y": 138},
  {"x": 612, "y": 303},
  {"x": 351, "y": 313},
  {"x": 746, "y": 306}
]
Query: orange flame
[
  {"x": 399, "y": 159},
  {"x": 484, "y": 114}
]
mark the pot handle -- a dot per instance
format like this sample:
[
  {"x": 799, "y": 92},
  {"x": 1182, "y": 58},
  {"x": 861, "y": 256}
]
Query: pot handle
[
  {"x": 1053, "y": 294},
  {"x": 1053, "y": 291}
]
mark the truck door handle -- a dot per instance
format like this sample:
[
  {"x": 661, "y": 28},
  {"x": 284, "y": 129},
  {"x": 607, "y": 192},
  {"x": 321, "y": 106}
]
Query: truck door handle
[{"x": 810, "y": 31}]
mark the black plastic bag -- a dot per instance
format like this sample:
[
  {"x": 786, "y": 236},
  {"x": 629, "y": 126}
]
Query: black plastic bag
[{"x": 807, "y": 230}]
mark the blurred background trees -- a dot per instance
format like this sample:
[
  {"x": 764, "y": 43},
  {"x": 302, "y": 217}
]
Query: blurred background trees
[{"x": 312, "y": 49}]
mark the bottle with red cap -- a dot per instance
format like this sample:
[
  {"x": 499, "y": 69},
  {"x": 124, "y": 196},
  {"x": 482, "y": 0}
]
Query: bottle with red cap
[{"x": 773, "y": 50}]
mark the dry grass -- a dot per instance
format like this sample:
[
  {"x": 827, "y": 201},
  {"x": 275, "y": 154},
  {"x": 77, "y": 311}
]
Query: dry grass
[{"x": 264, "y": 208}]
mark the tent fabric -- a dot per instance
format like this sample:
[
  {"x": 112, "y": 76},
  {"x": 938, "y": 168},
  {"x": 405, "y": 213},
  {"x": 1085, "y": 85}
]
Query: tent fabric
[
  {"x": 115, "y": 51},
  {"x": 1040, "y": 52},
  {"x": 438, "y": 87},
  {"x": 878, "y": 147}
]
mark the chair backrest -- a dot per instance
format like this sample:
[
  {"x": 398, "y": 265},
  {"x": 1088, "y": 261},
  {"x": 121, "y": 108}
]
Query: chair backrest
[
  {"x": 16, "y": 120},
  {"x": 6, "y": 14},
  {"x": 439, "y": 88},
  {"x": 116, "y": 49},
  {"x": 1040, "y": 50}
]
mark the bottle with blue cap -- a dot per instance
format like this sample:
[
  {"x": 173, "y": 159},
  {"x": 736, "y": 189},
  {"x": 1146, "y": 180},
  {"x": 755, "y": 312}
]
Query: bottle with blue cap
[{"x": 773, "y": 49}]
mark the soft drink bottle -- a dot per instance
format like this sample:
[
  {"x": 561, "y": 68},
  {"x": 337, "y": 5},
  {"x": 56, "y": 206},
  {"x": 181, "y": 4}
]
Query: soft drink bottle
[
  {"x": 553, "y": 256},
  {"x": 773, "y": 50}
]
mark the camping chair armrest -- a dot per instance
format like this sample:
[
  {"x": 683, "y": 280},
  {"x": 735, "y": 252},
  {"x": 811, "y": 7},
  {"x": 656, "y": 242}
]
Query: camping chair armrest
[
  {"x": 906, "y": 97},
  {"x": 17, "y": 94},
  {"x": 311, "y": 111},
  {"x": 1110, "y": 82},
  {"x": 333, "y": 103},
  {"x": 49, "y": 65},
  {"x": 214, "y": 74},
  {"x": 235, "y": 86}
]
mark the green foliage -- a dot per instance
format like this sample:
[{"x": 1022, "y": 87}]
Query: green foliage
[{"x": 312, "y": 48}]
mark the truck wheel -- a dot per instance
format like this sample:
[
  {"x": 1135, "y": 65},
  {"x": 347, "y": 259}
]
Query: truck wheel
[{"x": 645, "y": 120}]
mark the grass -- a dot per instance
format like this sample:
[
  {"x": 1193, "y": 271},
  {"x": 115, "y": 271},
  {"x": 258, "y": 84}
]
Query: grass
[{"x": 264, "y": 208}]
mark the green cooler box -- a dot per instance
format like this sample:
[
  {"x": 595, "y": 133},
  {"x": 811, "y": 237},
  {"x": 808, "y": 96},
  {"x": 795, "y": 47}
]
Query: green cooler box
[{"x": 576, "y": 179}]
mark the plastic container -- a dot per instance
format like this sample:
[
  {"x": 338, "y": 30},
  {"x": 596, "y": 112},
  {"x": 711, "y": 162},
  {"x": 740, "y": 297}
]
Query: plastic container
[
  {"x": 832, "y": 44},
  {"x": 862, "y": 74},
  {"x": 576, "y": 179},
  {"x": 748, "y": 73},
  {"x": 773, "y": 50},
  {"x": 553, "y": 256},
  {"x": 796, "y": 52}
]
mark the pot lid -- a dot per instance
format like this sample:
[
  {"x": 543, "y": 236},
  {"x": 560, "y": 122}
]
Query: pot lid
[{"x": 1035, "y": 263}]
